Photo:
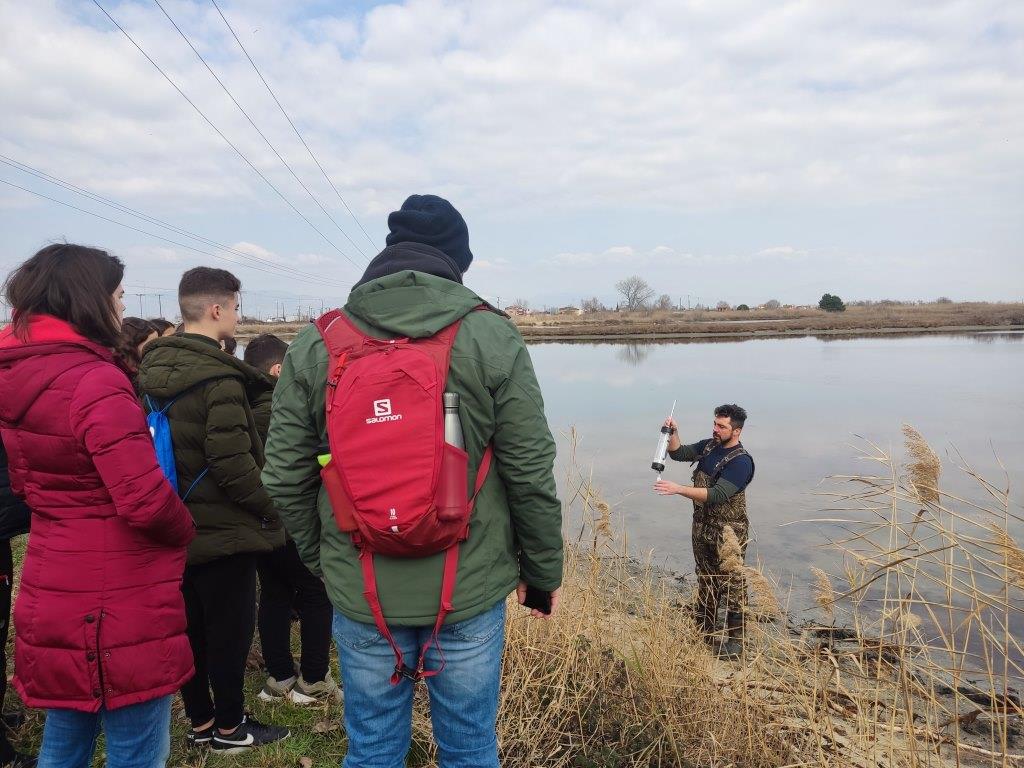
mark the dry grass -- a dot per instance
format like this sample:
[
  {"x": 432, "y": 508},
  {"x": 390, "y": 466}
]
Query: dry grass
[
  {"x": 622, "y": 678},
  {"x": 918, "y": 672},
  {"x": 792, "y": 321},
  {"x": 704, "y": 324},
  {"x": 924, "y": 468}
]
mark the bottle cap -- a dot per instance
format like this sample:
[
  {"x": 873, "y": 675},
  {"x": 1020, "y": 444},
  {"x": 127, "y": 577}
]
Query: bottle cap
[{"x": 451, "y": 399}]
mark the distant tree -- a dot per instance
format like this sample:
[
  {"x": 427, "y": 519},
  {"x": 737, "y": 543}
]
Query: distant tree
[
  {"x": 772, "y": 304},
  {"x": 743, "y": 308},
  {"x": 664, "y": 302},
  {"x": 722, "y": 306},
  {"x": 831, "y": 303},
  {"x": 943, "y": 300},
  {"x": 635, "y": 291},
  {"x": 521, "y": 303},
  {"x": 593, "y": 304}
]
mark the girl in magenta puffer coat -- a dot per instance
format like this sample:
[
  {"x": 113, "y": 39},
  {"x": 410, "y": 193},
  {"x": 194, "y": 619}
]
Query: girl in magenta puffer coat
[{"x": 99, "y": 619}]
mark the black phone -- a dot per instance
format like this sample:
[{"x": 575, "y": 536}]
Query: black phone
[{"x": 539, "y": 599}]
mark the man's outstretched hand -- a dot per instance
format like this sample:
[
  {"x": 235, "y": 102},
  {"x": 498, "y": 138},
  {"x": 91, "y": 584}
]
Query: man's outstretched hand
[
  {"x": 521, "y": 596},
  {"x": 666, "y": 488}
]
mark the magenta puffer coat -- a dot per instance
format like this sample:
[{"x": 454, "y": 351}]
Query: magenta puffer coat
[{"x": 99, "y": 619}]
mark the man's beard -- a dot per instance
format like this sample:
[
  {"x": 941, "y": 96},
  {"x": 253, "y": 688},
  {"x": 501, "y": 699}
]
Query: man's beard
[{"x": 716, "y": 439}]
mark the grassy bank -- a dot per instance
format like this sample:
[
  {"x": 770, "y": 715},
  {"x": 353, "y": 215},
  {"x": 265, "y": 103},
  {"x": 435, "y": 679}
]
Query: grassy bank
[
  {"x": 708, "y": 324},
  {"x": 910, "y": 663},
  {"x": 782, "y": 322}
]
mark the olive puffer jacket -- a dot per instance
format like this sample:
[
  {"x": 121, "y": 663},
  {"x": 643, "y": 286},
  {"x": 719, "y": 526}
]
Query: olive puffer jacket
[{"x": 213, "y": 428}]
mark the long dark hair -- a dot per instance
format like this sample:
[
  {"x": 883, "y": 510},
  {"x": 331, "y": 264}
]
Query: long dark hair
[
  {"x": 134, "y": 331},
  {"x": 72, "y": 282}
]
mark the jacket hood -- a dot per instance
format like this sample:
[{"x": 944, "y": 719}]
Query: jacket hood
[
  {"x": 411, "y": 303},
  {"x": 418, "y": 257},
  {"x": 28, "y": 367},
  {"x": 172, "y": 364}
]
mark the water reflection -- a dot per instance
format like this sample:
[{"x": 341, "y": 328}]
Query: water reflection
[
  {"x": 807, "y": 399},
  {"x": 633, "y": 354}
]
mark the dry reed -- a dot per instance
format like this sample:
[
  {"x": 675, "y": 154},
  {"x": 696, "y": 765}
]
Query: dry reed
[
  {"x": 925, "y": 467},
  {"x": 621, "y": 677}
]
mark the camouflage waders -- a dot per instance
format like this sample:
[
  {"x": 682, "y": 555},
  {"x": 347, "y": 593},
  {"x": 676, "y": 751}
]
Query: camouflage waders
[{"x": 708, "y": 523}]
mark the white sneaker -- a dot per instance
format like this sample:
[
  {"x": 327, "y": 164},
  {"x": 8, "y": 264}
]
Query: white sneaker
[
  {"x": 275, "y": 690},
  {"x": 327, "y": 690}
]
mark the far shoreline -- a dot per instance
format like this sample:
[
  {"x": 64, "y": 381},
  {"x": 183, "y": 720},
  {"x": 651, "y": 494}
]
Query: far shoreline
[
  {"x": 541, "y": 338},
  {"x": 650, "y": 326}
]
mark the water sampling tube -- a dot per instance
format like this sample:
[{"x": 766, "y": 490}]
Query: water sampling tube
[{"x": 661, "y": 453}]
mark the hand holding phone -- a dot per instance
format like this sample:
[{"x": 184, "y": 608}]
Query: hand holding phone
[
  {"x": 540, "y": 602},
  {"x": 539, "y": 599}
]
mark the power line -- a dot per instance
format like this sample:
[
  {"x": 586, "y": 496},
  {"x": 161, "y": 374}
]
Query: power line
[
  {"x": 292, "y": 124},
  {"x": 150, "y": 234},
  {"x": 221, "y": 134},
  {"x": 256, "y": 128},
  {"x": 68, "y": 186}
]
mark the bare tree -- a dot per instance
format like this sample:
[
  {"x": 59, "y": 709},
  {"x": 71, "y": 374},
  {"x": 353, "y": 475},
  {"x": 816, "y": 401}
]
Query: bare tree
[
  {"x": 722, "y": 306},
  {"x": 635, "y": 292},
  {"x": 664, "y": 302},
  {"x": 593, "y": 304},
  {"x": 522, "y": 303},
  {"x": 772, "y": 304}
]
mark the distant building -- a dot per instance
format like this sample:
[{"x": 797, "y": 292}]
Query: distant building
[
  {"x": 570, "y": 311},
  {"x": 515, "y": 310}
]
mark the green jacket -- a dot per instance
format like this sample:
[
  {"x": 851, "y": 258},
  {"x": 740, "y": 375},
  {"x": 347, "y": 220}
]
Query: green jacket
[
  {"x": 213, "y": 426},
  {"x": 515, "y": 531},
  {"x": 261, "y": 398}
]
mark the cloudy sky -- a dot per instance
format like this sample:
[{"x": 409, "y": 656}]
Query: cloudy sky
[{"x": 730, "y": 150}]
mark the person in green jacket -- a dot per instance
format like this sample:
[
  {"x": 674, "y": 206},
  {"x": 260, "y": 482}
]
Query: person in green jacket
[
  {"x": 286, "y": 583},
  {"x": 218, "y": 456},
  {"x": 413, "y": 288}
]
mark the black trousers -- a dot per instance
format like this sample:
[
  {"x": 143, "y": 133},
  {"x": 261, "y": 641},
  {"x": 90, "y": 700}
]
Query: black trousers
[
  {"x": 6, "y": 579},
  {"x": 286, "y": 583},
  {"x": 220, "y": 605}
]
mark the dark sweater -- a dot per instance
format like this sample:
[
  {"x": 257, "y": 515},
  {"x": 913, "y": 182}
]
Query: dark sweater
[
  {"x": 14, "y": 513},
  {"x": 736, "y": 475}
]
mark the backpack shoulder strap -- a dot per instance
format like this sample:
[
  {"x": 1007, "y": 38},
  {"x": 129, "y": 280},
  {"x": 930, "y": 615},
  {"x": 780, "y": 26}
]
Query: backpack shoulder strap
[
  {"x": 735, "y": 453},
  {"x": 707, "y": 449},
  {"x": 151, "y": 402}
]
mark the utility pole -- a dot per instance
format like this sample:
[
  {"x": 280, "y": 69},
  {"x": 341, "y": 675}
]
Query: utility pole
[
  {"x": 160, "y": 303},
  {"x": 140, "y": 295}
]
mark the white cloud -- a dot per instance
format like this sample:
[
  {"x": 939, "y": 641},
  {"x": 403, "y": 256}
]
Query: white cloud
[
  {"x": 540, "y": 110},
  {"x": 666, "y": 103},
  {"x": 258, "y": 251}
]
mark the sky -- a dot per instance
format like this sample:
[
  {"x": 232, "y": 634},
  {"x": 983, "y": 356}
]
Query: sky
[{"x": 724, "y": 151}]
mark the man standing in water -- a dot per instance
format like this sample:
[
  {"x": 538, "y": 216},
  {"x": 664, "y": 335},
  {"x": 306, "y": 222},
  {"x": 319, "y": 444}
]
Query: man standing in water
[{"x": 723, "y": 471}]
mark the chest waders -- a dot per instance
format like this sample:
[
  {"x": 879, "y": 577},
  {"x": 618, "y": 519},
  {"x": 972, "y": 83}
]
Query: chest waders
[{"x": 708, "y": 522}]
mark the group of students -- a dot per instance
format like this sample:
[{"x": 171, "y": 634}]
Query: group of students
[
  {"x": 140, "y": 572},
  {"x": 102, "y": 622}
]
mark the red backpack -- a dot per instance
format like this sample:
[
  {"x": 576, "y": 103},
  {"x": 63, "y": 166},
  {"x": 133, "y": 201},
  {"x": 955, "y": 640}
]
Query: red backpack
[{"x": 395, "y": 485}]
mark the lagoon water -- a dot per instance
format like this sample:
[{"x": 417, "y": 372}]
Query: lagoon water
[{"x": 808, "y": 400}]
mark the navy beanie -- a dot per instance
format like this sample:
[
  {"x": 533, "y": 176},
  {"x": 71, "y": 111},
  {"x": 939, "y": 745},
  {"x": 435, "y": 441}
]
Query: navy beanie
[{"x": 433, "y": 221}]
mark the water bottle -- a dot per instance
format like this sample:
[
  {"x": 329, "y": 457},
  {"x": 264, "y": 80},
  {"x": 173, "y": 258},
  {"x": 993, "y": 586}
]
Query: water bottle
[
  {"x": 452, "y": 424},
  {"x": 452, "y": 500}
]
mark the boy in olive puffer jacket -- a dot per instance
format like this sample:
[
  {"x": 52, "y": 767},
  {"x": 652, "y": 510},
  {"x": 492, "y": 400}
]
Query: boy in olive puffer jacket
[{"x": 218, "y": 455}]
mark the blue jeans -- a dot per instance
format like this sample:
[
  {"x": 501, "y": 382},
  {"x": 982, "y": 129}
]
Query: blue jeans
[
  {"x": 463, "y": 697},
  {"x": 138, "y": 736}
]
